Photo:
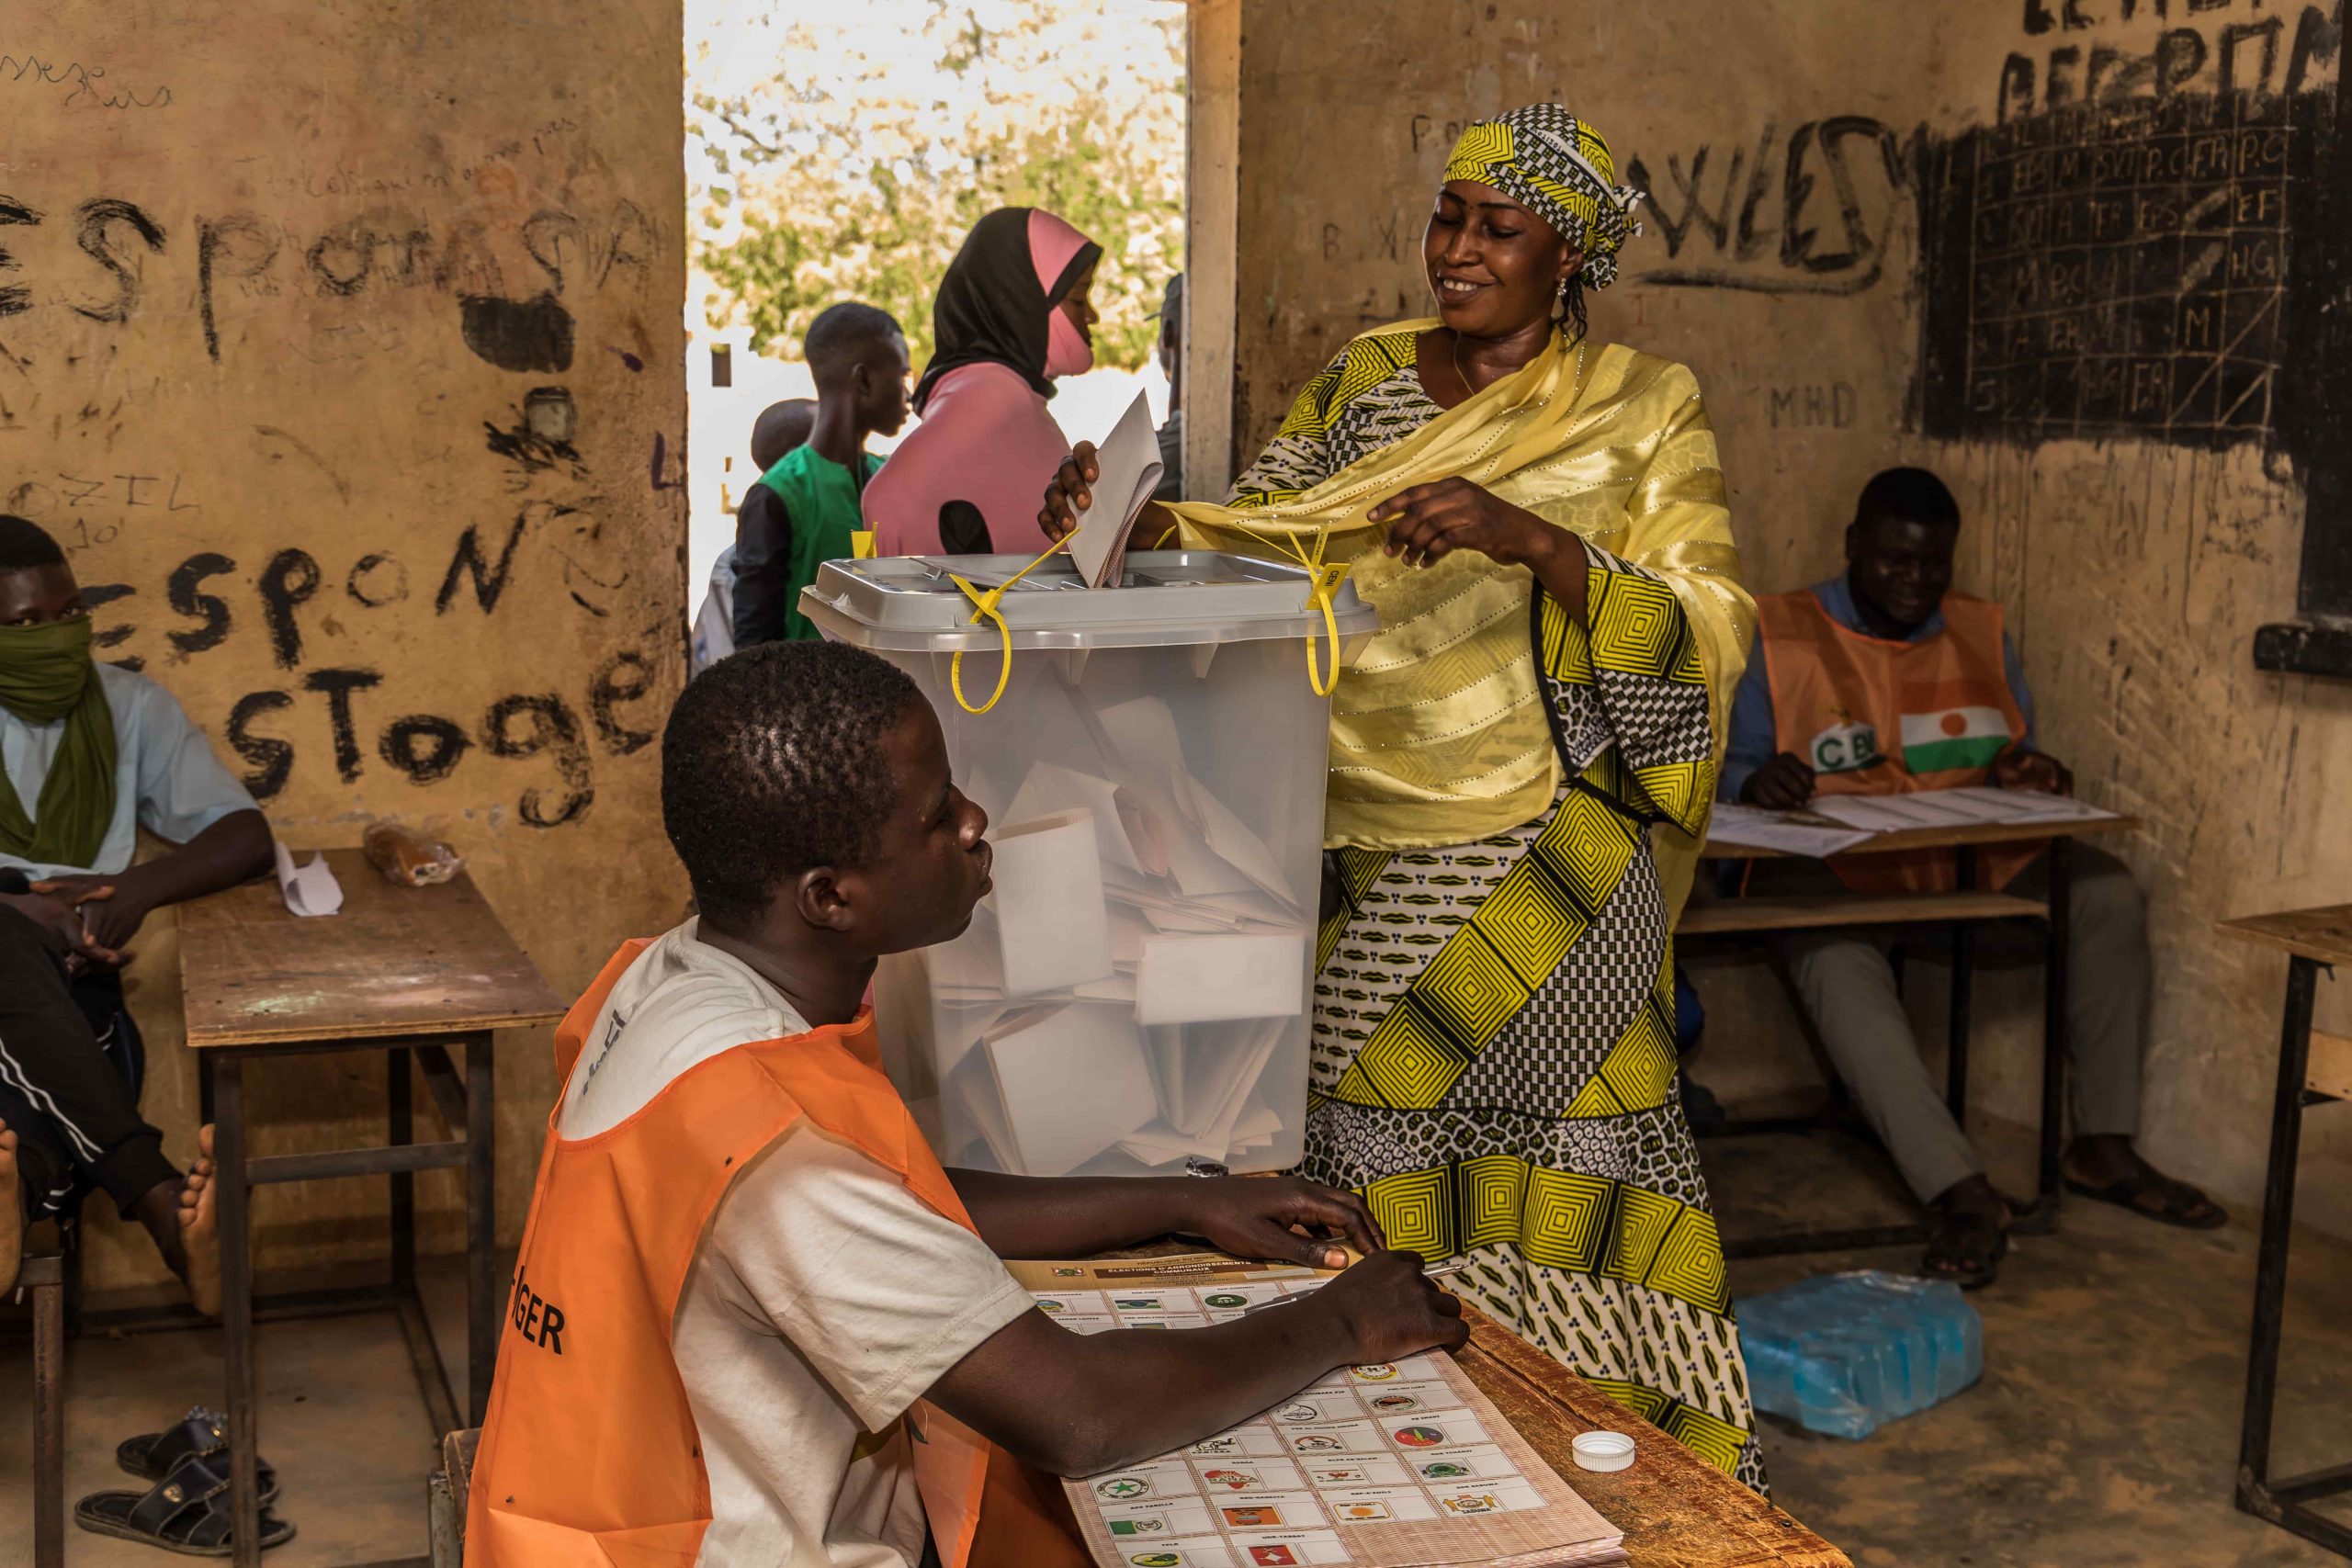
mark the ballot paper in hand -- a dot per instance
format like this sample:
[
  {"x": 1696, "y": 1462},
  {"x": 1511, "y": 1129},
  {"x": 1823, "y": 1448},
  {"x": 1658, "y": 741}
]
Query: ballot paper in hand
[
  {"x": 1127, "y": 471},
  {"x": 310, "y": 889}
]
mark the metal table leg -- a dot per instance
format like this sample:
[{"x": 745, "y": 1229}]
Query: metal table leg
[
  {"x": 400, "y": 1127},
  {"x": 1964, "y": 977},
  {"x": 2057, "y": 997},
  {"x": 237, "y": 1308},
  {"x": 44, "y": 1277},
  {"x": 2282, "y": 1502},
  {"x": 482, "y": 1295}
]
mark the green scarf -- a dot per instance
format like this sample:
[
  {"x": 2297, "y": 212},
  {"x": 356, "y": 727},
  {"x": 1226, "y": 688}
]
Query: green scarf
[{"x": 46, "y": 674}]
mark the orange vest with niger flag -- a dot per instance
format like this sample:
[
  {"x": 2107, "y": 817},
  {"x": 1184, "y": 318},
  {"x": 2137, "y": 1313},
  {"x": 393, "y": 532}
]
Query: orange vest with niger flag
[
  {"x": 1873, "y": 716},
  {"x": 589, "y": 1456}
]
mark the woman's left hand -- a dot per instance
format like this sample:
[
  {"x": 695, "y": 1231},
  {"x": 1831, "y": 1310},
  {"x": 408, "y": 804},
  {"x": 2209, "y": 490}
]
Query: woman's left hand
[
  {"x": 1429, "y": 522},
  {"x": 1252, "y": 1216}
]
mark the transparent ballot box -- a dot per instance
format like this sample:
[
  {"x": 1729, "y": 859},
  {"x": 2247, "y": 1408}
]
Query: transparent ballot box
[{"x": 1137, "y": 989}]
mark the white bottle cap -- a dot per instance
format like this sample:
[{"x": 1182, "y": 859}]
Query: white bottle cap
[{"x": 1602, "y": 1451}]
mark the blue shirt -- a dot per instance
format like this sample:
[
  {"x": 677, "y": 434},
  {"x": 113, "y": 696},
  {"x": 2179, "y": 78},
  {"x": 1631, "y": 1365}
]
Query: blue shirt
[
  {"x": 167, "y": 778},
  {"x": 1755, "y": 736}
]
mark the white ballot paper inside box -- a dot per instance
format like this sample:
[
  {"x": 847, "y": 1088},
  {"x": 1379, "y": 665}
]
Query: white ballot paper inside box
[
  {"x": 1127, "y": 471},
  {"x": 1072, "y": 1082},
  {"x": 1053, "y": 931},
  {"x": 1198, "y": 979}
]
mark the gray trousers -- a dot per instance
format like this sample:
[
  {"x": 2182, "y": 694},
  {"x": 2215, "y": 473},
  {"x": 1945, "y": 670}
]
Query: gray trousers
[{"x": 1846, "y": 984}]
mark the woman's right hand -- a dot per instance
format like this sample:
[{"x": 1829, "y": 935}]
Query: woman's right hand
[{"x": 1070, "y": 495}]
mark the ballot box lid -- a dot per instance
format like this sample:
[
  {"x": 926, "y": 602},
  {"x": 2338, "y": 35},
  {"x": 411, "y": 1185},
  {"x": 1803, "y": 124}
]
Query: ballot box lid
[{"x": 909, "y": 604}]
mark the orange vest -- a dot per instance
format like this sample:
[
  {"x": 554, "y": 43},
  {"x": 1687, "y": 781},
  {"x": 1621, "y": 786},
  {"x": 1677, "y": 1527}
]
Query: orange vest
[
  {"x": 589, "y": 1455},
  {"x": 1872, "y": 716}
]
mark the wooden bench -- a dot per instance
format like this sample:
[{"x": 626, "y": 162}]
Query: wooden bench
[{"x": 42, "y": 1277}]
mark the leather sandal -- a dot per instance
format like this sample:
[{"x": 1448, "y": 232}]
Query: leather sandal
[
  {"x": 1967, "y": 1249},
  {"x": 151, "y": 1456},
  {"x": 187, "y": 1512}
]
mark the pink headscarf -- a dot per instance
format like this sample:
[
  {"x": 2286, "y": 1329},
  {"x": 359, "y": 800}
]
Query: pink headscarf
[{"x": 986, "y": 438}]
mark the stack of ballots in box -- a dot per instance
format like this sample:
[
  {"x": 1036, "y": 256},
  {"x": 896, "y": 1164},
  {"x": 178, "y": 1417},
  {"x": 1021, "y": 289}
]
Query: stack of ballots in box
[{"x": 1132, "y": 993}]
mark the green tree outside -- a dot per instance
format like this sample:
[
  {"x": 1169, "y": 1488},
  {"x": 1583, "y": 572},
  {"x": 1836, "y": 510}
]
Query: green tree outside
[{"x": 931, "y": 114}]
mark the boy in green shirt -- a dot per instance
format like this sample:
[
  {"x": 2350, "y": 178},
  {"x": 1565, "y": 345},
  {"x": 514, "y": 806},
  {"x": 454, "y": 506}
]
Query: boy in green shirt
[{"x": 859, "y": 355}]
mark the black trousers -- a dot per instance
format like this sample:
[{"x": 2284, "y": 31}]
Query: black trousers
[{"x": 75, "y": 1116}]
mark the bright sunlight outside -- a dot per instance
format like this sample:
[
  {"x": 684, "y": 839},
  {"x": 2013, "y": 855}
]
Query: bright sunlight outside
[{"x": 840, "y": 150}]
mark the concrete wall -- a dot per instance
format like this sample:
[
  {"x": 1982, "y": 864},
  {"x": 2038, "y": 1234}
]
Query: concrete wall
[
  {"x": 341, "y": 344},
  {"x": 1792, "y": 150}
]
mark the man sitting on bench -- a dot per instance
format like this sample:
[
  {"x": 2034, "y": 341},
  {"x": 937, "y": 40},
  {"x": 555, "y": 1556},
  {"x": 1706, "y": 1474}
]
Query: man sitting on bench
[
  {"x": 89, "y": 754},
  {"x": 1882, "y": 681}
]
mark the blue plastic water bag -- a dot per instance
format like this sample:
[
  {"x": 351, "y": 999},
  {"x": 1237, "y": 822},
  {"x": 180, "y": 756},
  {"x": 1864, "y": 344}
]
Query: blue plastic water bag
[{"x": 1846, "y": 1353}]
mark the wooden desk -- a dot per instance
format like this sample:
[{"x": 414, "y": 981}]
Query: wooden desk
[
  {"x": 413, "y": 972},
  {"x": 1676, "y": 1510},
  {"x": 2312, "y": 939},
  {"x": 1959, "y": 911}
]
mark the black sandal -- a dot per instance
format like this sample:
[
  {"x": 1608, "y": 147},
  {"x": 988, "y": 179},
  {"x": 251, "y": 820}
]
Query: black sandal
[
  {"x": 1961, "y": 1252},
  {"x": 2177, "y": 1203},
  {"x": 151, "y": 1456},
  {"x": 187, "y": 1512}
]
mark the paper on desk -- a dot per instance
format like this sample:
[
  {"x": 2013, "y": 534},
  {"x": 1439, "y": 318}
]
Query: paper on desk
[
  {"x": 311, "y": 889},
  {"x": 1970, "y": 808},
  {"x": 1757, "y": 828},
  {"x": 1053, "y": 931},
  {"x": 1190, "y": 979},
  {"x": 1127, "y": 471}
]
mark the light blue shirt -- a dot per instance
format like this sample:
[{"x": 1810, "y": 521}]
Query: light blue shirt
[
  {"x": 167, "y": 777},
  {"x": 1754, "y": 732}
]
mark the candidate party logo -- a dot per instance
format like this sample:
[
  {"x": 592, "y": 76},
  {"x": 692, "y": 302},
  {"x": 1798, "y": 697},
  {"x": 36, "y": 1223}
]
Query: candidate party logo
[
  {"x": 1119, "y": 1488},
  {"x": 1420, "y": 1436}
]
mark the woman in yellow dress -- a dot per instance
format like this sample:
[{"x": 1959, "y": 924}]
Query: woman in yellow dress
[{"x": 1522, "y": 763}]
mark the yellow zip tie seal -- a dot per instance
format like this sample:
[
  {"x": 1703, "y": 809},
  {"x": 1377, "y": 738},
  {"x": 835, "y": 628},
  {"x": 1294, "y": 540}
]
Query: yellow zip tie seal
[
  {"x": 1324, "y": 580},
  {"x": 861, "y": 544},
  {"x": 984, "y": 605}
]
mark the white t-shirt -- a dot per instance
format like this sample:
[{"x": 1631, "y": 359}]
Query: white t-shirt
[
  {"x": 167, "y": 778},
  {"x": 826, "y": 1297}
]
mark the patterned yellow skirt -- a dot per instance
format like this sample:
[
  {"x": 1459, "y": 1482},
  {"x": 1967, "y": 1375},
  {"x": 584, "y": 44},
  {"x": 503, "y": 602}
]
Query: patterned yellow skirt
[{"x": 1494, "y": 1062}]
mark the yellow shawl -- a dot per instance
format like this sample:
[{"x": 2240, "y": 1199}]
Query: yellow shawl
[{"x": 1437, "y": 734}]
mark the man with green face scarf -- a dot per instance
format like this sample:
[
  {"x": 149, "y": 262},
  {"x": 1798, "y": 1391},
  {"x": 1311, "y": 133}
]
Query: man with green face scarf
[{"x": 89, "y": 754}]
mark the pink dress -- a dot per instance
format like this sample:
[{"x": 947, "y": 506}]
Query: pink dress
[{"x": 985, "y": 437}]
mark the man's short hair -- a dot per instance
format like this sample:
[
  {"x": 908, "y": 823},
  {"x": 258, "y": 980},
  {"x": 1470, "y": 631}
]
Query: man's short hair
[
  {"x": 1907, "y": 495},
  {"x": 780, "y": 428},
  {"x": 773, "y": 762},
  {"x": 842, "y": 335},
  {"x": 25, "y": 543}
]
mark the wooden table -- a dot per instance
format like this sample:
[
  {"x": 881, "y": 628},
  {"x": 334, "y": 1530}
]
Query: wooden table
[
  {"x": 2312, "y": 1067},
  {"x": 1676, "y": 1510},
  {"x": 1961, "y": 911},
  {"x": 412, "y": 972}
]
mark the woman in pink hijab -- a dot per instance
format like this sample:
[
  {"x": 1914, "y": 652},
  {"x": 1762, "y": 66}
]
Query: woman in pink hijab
[{"x": 1011, "y": 315}]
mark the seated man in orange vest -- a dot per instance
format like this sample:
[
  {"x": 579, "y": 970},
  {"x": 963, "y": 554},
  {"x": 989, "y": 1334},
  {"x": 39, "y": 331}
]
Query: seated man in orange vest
[
  {"x": 1881, "y": 682},
  {"x": 754, "y": 1321}
]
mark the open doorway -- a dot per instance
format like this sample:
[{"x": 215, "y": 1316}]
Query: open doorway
[{"x": 842, "y": 151}]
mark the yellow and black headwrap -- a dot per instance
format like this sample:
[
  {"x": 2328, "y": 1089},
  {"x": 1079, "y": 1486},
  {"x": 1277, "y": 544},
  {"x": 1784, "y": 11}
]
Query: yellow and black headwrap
[{"x": 1556, "y": 166}]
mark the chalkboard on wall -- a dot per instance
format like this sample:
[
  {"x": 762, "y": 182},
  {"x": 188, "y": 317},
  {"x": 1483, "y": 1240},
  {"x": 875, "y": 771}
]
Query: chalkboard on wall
[{"x": 2118, "y": 270}]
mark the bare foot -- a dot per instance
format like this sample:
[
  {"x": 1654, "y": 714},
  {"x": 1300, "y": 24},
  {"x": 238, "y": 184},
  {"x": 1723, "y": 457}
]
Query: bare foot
[
  {"x": 200, "y": 1228},
  {"x": 12, "y": 1212}
]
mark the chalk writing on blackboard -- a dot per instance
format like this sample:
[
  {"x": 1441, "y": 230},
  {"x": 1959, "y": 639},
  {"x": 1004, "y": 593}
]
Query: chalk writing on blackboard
[{"x": 2118, "y": 269}]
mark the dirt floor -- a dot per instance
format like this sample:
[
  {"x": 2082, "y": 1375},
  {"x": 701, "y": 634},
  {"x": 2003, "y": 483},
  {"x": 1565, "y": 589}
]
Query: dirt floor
[{"x": 2105, "y": 1431}]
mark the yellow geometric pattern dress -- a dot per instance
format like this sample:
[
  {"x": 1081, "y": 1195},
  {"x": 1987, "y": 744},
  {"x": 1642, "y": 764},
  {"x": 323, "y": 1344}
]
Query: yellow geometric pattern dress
[{"x": 1494, "y": 1063}]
